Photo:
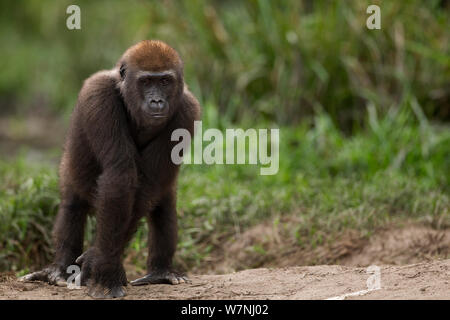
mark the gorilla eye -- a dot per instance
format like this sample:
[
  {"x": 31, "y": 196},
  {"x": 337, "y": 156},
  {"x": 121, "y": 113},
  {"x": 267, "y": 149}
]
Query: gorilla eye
[
  {"x": 147, "y": 81},
  {"x": 165, "y": 81},
  {"x": 122, "y": 71}
]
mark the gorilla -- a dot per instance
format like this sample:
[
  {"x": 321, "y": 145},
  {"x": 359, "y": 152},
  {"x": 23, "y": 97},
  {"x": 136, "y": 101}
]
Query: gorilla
[{"x": 117, "y": 164}]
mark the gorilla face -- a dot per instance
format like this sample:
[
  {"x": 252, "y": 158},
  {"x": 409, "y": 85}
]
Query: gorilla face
[
  {"x": 157, "y": 90},
  {"x": 151, "y": 95}
]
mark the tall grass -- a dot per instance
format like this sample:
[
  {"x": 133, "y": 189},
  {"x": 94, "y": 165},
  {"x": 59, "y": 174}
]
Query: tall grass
[
  {"x": 394, "y": 171},
  {"x": 310, "y": 67},
  {"x": 249, "y": 60}
]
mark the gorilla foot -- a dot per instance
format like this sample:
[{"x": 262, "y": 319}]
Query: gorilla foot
[
  {"x": 161, "y": 277},
  {"x": 100, "y": 292},
  {"x": 52, "y": 275}
]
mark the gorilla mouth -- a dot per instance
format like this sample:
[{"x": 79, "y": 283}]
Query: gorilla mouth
[{"x": 158, "y": 115}]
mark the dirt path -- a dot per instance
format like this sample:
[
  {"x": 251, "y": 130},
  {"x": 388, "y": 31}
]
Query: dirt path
[{"x": 430, "y": 280}]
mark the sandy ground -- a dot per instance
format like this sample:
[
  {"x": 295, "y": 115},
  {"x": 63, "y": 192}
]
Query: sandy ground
[{"x": 429, "y": 280}]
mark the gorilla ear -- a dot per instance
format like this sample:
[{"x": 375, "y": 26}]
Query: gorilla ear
[{"x": 122, "y": 71}]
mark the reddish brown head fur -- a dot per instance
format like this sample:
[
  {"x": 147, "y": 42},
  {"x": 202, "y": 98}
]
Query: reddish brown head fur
[{"x": 152, "y": 55}]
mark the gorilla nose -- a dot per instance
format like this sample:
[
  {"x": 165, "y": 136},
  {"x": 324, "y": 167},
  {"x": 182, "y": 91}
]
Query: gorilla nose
[{"x": 157, "y": 105}]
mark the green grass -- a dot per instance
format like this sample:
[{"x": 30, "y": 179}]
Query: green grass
[
  {"x": 272, "y": 61},
  {"x": 396, "y": 170},
  {"x": 357, "y": 150}
]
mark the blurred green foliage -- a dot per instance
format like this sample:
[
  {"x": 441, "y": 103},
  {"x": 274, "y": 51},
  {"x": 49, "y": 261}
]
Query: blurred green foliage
[
  {"x": 310, "y": 67},
  {"x": 395, "y": 171},
  {"x": 266, "y": 60}
]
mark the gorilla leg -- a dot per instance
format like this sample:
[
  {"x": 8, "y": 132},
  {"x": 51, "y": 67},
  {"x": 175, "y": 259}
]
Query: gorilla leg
[
  {"x": 68, "y": 234},
  {"x": 162, "y": 222}
]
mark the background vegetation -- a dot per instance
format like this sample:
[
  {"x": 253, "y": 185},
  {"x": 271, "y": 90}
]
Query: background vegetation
[{"x": 363, "y": 114}]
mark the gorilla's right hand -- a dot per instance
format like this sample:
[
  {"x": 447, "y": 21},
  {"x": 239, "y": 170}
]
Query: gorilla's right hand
[{"x": 53, "y": 274}]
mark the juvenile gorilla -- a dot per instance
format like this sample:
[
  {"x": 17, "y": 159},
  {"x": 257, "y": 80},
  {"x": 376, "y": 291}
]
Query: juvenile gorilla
[{"x": 117, "y": 164}]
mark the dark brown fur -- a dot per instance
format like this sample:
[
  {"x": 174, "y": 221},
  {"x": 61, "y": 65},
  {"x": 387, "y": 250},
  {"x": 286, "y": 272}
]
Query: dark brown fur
[{"x": 117, "y": 165}]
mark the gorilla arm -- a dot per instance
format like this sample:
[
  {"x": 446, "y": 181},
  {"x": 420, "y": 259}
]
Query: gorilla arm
[{"x": 102, "y": 117}]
